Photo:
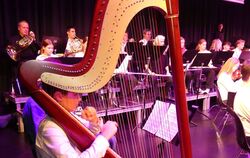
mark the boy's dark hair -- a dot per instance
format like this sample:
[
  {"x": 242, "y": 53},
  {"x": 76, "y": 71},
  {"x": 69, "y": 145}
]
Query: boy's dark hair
[
  {"x": 70, "y": 27},
  {"x": 51, "y": 90}
]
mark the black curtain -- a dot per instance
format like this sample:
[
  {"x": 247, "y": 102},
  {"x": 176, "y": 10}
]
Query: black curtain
[
  {"x": 46, "y": 17},
  {"x": 199, "y": 19}
]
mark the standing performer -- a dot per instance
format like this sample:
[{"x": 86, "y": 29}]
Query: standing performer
[{"x": 21, "y": 48}]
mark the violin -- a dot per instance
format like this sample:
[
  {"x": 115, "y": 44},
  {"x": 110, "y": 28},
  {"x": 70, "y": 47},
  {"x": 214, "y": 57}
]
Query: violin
[{"x": 236, "y": 75}]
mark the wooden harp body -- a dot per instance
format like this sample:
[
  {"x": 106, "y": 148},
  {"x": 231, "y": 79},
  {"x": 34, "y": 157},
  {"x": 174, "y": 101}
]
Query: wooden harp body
[{"x": 111, "y": 18}]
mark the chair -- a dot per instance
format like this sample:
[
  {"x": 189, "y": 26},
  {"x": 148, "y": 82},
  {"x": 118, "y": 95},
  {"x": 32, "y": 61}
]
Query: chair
[
  {"x": 223, "y": 108},
  {"x": 33, "y": 114},
  {"x": 240, "y": 133}
]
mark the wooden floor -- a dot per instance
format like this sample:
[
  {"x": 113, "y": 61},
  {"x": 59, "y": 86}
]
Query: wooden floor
[{"x": 205, "y": 142}]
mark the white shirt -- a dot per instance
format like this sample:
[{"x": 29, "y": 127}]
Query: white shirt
[
  {"x": 143, "y": 41},
  {"x": 237, "y": 53},
  {"x": 242, "y": 107},
  {"x": 225, "y": 84},
  {"x": 123, "y": 68},
  {"x": 54, "y": 143},
  {"x": 43, "y": 56}
]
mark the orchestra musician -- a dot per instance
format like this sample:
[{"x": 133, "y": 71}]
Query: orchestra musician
[
  {"x": 226, "y": 46},
  {"x": 47, "y": 50},
  {"x": 240, "y": 44},
  {"x": 188, "y": 74},
  {"x": 21, "y": 48},
  {"x": 74, "y": 45},
  {"x": 209, "y": 72},
  {"x": 128, "y": 81},
  {"x": 52, "y": 141},
  {"x": 147, "y": 37},
  {"x": 216, "y": 46},
  {"x": 25, "y": 43},
  {"x": 226, "y": 79}
]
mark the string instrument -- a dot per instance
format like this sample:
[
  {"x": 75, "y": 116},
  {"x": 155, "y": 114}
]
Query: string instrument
[
  {"x": 110, "y": 19},
  {"x": 236, "y": 75}
]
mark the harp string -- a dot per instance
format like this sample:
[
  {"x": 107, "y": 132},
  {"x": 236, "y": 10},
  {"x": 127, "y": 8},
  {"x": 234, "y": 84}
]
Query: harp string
[
  {"x": 133, "y": 141},
  {"x": 127, "y": 120}
]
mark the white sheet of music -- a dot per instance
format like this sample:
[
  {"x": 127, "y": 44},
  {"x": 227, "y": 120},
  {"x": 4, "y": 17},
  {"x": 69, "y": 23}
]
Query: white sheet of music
[{"x": 162, "y": 121}]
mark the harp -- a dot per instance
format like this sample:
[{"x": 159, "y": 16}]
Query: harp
[{"x": 111, "y": 18}]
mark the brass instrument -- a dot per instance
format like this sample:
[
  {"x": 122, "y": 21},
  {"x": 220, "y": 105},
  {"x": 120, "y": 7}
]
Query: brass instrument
[
  {"x": 76, "y": 45},
  {"x": 14, "y": 50}
]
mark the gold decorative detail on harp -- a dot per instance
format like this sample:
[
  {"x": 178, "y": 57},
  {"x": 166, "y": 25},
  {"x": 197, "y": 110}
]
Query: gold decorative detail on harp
[{"x": 111, "y": 19}]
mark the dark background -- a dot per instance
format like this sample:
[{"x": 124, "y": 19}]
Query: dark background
[{"x": 198, "y": 19}]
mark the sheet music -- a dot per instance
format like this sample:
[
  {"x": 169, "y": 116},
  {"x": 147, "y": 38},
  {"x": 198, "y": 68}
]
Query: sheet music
[{"x": 162, "y": 121}]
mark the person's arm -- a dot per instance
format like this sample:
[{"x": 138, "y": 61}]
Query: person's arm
[{"x": 56, "y": 142}]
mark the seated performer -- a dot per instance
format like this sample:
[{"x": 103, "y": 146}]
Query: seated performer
[
  {"x": 216, "y": 46},
  {"x": 241, "y": 101},
  {"x": 226, "y": 79},
  {"x": 52, "y": 141},
  {"x": 226, "y": 46},
  {"x": 147, "y": 37},
  {"x": 240, "y": 44},
  {"x": 47, "y": 50},
  {"x": 210, "y": 73},
  {"x": 74, "y": 46},
  {"x": 127, "y": 81}
]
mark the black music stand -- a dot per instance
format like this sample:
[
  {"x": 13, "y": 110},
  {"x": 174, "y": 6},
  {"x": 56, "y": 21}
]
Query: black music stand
[
  {"x": 188, "y": 56},
  {"x": 221, "y": 57},
  {"x": 244, "y": 56},
  {"x": 202, "y": 59},
  {"x": 120, "y": 60}
]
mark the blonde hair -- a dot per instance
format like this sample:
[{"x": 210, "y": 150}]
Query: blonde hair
[
  {"x": 159, "y": 40},
  {"x": 228, "y": 66},
  {"x": 197, "y": 48},
  {"x": 216, "y": 45}
]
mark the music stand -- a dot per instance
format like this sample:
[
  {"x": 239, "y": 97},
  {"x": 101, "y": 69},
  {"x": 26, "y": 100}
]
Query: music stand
[
  {"x": 221, "y": 57},
  {"x": 131, "y": 47},
  {"x": 188, "y": 56},
  {"x": 202, "y": 59},
  {"x": 120, "y": 60},
  {"x": 244, "y": 56}
]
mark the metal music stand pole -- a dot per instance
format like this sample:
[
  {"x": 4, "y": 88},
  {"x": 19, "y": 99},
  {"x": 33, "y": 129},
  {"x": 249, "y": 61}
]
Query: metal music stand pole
[{"x": 145, "y": 82}]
